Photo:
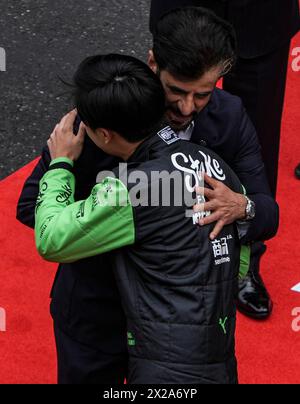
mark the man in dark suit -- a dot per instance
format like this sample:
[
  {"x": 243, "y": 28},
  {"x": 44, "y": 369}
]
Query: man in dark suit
[
  {"x": 264, "y": 30},
  {"x": 89, "y": 323}
]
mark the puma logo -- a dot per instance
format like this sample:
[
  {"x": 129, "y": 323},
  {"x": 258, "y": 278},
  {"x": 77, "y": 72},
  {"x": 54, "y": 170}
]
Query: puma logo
[
  {"x": 222, "y": 323},
  {"x": 2, "y": 60}
]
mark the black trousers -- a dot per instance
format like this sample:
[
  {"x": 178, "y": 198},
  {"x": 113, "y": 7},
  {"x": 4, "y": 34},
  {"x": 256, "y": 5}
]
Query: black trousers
[{"x": 78, "y": 363}]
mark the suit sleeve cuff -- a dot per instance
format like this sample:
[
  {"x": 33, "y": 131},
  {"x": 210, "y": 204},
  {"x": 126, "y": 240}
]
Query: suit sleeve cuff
[{"x": 242, "y": 228}]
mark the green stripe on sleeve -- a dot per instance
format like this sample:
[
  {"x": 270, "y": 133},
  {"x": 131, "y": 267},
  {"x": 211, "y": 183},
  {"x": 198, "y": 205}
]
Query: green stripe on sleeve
[
  {"x": 244, "y": 261},
  {"x": 245, "y": 254}
]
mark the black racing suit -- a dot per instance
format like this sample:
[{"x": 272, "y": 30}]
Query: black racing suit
[{"x": 177, "y": 286}]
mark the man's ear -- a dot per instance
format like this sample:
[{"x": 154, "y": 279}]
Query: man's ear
[
  {"x": 105, "y": 135},
  {"x": 152, "y": 62}
]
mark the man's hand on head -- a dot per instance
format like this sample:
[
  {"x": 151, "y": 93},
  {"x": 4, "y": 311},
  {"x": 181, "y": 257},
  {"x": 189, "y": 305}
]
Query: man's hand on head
[
  {"x": 226, "y": 206},
  {"x": 63, "y": 142}
]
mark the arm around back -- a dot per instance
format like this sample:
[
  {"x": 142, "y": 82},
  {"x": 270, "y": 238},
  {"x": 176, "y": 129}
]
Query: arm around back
[{"x": 30, "y": 191}]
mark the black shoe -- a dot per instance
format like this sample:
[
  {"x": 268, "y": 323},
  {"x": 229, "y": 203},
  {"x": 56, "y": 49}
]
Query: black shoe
[
  {"x": 253, "y": 298},
  {"x": 297, "y": 171}
]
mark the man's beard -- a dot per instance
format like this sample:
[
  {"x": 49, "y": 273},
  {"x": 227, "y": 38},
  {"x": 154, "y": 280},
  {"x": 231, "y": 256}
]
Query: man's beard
[{"x": 177, "y": 121}]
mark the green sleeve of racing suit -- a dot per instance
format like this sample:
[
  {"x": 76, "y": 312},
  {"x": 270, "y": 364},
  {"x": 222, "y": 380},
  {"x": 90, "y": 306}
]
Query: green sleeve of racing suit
[{"x": 66, "y": 231}]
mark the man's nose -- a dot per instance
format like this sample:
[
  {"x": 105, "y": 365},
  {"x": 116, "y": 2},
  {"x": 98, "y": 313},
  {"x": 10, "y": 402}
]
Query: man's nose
[{"x": 187, "y": 106}]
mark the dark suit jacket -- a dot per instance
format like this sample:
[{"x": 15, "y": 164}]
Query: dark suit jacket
[
  {"x": 262, "y": 26},
  {"x": 85, "y": 300}
]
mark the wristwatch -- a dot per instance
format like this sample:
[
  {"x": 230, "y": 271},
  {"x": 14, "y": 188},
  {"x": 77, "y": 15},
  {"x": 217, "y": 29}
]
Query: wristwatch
[{"x": 250, "y": 209}]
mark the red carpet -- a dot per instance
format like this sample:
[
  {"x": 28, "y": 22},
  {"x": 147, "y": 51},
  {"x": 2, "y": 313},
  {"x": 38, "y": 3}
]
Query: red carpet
[
  {"x": 268, "y": 352},
  {"x": 27, "y": 347}
]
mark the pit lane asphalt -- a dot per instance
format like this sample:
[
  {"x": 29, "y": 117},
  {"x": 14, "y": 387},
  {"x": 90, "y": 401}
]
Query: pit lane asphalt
[{"x": 45, "y": 40}]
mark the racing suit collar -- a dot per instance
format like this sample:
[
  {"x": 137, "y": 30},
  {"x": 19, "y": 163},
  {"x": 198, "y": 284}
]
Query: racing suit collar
[{"x": 142, "y": 153}]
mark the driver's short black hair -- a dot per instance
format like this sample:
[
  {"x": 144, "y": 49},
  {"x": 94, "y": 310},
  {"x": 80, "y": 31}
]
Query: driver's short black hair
[{"x": 120, "y": 93}]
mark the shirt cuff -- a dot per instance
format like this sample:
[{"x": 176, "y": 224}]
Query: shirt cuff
[{"x": 242, "y": 228}]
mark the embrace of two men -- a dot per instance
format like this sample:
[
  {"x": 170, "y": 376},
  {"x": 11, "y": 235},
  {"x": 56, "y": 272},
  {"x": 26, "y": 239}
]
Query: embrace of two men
[{"x": 160, "y": 308}]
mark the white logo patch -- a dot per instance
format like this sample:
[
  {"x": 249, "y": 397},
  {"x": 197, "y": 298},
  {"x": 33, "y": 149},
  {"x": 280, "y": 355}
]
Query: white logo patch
[
  {"x": 168, "y": 135},
  {"x": 221, "y": 250}
]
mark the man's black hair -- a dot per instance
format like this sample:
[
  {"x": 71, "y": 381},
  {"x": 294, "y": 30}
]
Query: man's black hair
[
  {"x": 189, "y": 41},
  {"x": 120, "y": 93}
]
